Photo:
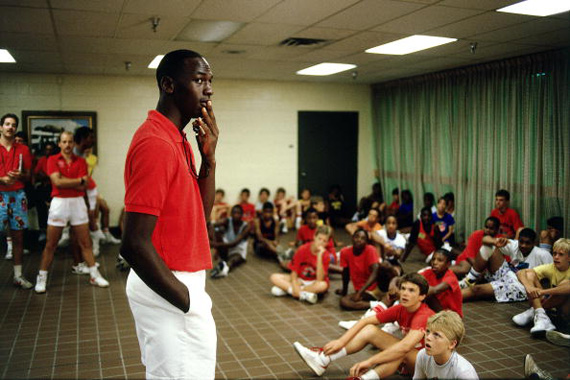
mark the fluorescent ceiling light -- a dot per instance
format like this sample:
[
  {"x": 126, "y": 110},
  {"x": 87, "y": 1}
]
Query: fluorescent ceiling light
[
  {"x": 155, "y": 62},
  {"x": 6, "y": 57},
  {"x": 326, "y": 68},
  {"x": 538, "y": 7},
  {"x": 410, "y": 45},
  {"x": 208, "y": 31}
]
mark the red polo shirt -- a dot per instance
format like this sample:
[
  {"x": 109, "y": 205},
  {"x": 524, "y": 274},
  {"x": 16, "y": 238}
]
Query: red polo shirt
[
  {"x": 77, "y": 168},
  {"x": 510, "y": 222},
  {"x": 10, "y": 161},
  {"x": 159, "y": 181},
  {"x": 41, "y": 165}
]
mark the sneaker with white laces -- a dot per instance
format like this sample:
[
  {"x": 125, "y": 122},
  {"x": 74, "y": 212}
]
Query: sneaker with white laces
[
  {"x": 41, "y": 281},
  {"x": 346, "y": 324},
  {"x": 110, "y": 239},
  {"x": 221, "y": 270},
  {"x": 98, "y": 280},
  {"x": 278, "y": 292},
  {"x": 532, "y": 371},
  {"x": 309, "y": 297},
  {"x": 80, "y": 268},
  {"x": 524, "y": 318},
  {"x": 558, "y": 338},
  {"x": 466, "y": 283},
  {"x": 542, "y": 324},
  {"x": 312, "y": 357},
  {"x": 22, "y": 282}
]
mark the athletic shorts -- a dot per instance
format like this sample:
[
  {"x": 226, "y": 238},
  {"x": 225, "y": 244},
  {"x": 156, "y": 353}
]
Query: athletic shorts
[
  {"x": 67, "y": 210},
  {"x": 14, "y": 210},
  {"x": 92, "y": 198},
  {"x": 506, "y": 286},
  {"x": 174, "y": 344}
]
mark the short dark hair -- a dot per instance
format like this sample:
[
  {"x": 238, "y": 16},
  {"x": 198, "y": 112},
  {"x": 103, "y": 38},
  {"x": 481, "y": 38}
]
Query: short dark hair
[
  {"x": 172, "y": 64},
  {"x": 267, "y": 206},
  {"x": 11, "y": 116},
  {"x": 407, "y": 193},
  {"x": 445, "y": 252},
  {"x": 21, "y": 135},
  {"x": 81, "y": 133},
  {"x": 528, "y": 233},
  {"x": 503, "y": 193},
  {"x": 449, "y": 197},
  {"x": 280, "y": 190},
  {"x": 495, "y": 221},
  {"x": 395, "y": 191},
  {"x": 375, "y": 209},
  {"x": 426, "y": 209},
  {"x": 556, "y": 222},
  {"x": 264, "y": 189},
  {"x": 237, "y": 207},
  {"x": 419, "y": 280},
  {"x": 311, "y": 210},
  {"x": 429, "y": 197},
  {"x": 220, "y": 191},
  {"x": 441, "y": 199},
  {"x": 360, "y": 229},
  {"x": 245, "y": 190}
]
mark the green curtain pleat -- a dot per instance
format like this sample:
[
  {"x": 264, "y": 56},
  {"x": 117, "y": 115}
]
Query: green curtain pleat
[{"x": 475, "y": 130}]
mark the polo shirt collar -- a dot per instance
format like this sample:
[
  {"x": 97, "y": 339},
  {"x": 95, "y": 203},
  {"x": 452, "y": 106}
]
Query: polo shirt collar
[
  {"x": 167, "y": 126},
  {"x": 59, "y": 156}
]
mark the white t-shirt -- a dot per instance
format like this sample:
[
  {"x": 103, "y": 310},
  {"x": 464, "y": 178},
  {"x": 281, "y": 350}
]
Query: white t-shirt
[
  {"x": 399, "y": 242},
  {"x": 457, "y": 367},
  {"x": 536, "y": 257}
]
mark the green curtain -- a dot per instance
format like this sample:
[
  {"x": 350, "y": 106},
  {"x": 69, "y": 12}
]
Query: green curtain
[{"x": 474, "y": 130}]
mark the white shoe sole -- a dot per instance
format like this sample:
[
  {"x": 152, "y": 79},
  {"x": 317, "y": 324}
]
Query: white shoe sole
[
  {"x": 558, "y": 338},
  {"x": 318, "y": 370}
]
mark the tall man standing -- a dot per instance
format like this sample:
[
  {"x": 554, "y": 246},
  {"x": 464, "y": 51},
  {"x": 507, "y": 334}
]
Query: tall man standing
[{"x": 165, "y": 238}]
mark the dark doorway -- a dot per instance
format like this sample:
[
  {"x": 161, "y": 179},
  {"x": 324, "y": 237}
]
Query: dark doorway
[{"x": 328, "y": 144}]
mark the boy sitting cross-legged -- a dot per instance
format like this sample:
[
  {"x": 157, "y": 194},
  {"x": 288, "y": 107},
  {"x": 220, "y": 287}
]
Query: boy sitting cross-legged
[
  {"x": 411, "y": 314},
  {"x": 439, "y": 360},
  {"x": 556, "y": 296}
]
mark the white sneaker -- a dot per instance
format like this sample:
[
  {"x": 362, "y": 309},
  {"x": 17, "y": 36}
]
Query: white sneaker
[
  {"x": 80, "y": 268},
  {"x": 41, "y": 281},
  {"x": 9, "y": 255},
  {"x": 22, "y": 282},
  {"x": 346, "y": 324},
  {"x": 558, "y": 338},
  {"x": 532, "y": 371},
  {"x": 542, "y": 324},
  {"x": 524, "y": 318},
  {"x": 221, "y": 270},
  {"x": 311, "y": 357},
  {"x": 110, "y": 239},
  {"x": 98, "y": 280},
  {"x": 278, "y": 292},
  {"x": 428, "y": 259},
  {"x": 311, "y": 298}
]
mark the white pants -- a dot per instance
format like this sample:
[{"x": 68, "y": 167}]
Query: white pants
[{"x": 174, "y": 345}]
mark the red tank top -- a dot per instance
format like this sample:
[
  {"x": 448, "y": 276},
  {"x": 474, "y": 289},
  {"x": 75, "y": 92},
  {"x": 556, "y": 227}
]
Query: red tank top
[{"x": 425, "y": 240}]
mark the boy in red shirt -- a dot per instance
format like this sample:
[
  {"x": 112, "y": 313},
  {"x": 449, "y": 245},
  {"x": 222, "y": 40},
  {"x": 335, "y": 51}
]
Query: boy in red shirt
[
  {"x": 424, "y": 235},
  {"x": 411, "y": 314},
  {"x": 14, "y": 171},
  {"x": 309, "y": 270},
  {"x": 444, "y": 291},
  {"x": 248, "y": 208},
  {"x": 360, "y": 264},
  {"x": 510, "y": 220}
]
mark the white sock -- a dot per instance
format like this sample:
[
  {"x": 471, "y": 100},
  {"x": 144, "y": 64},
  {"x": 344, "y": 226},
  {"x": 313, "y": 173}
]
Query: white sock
[
  {"x": 539, "y": 310},
  {"x": 290, "y": 290},
  {"x": 473, "y": 274},
  {"x": 17, "y": 271},
  {"x": 370, "y": 375},
  {"x": 43, "y": 273},
  {"x": 93, "y": 271},
  {"x": 9, "y": 242},
  {"x": 485, "y": 252},
  {"x": 337, "y": 355}
]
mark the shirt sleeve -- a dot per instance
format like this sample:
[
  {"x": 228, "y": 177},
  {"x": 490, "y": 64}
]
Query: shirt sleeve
[
  {"x": 419, "y": 370},
  {"x": 82, "y": 167},
  {"x": 517, "y": 222},
  {"x": 372, "y": 256},
  {"x": 388, "y": 315},
  {"x": 149, "y": 172},
  {"x": 543, "y": 271},
  {"x": 51, "y": 166},
  {"x": 419, "y": 320},
  {"x": 27, "y": 158},
  {"x": 450, "y": 279}
]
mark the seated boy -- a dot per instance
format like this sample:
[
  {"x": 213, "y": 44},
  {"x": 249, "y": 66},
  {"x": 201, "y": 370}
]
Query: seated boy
[
  {"x": 248, "y": 208},
  {"x": 553, "y": 232},
  {"x": 266, "y": 232},
  {"x": 466, "y": 259},
  {"x": 391, "y": 242},
  {"x": 370, "y": 224},
  {"x": 411, "y": 314},
  {"x": 503, "y": 284},
  {"x": 309, "y": 271},
  {"x": 557, "y": 295},
  {"x": 439, "y": 360},
  {"x": 405, "y": 213},
  {"x": 360, "y": 265},
  {"x": 444, "y": 291},
  {"x": 424, "y": 234},
  {"x": 444, "y": 222},
  {"x": 510, "y": 220},
  {"x": 395, "y": 205},
  {"x": 230, "y": 243},
  {"x": 220, "y": 208},
  {"x": 285, "y": 207}
]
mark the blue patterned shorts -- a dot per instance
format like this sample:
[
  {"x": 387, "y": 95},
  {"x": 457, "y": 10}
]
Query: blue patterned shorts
[{"x": 14, "y": 210}]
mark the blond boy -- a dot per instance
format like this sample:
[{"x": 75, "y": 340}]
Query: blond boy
[{"x": 439, "y": 360}]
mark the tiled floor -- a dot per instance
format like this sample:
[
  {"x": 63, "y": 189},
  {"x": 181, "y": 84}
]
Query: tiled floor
[{"x": 78, "y": 331}]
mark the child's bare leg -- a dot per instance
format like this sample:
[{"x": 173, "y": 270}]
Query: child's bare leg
[
  {"x": 482, "y": 291},
  {"x": 461, "y": 269},
  {"x": 281, "y": 280},
  {"x": 316, "y": 287},
  {"x": 348, "y": 303}
]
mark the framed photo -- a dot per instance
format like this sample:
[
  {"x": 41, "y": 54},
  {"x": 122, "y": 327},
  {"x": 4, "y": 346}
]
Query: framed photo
[{"x": 46, "y": 126}]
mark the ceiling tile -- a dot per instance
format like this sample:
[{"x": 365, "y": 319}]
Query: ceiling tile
[
  {"x": 278, "y": 52},
  {"x": 263, "y": 34},
  {"x": 487, "y": 5},
  {"x": 203, "y": 48},
  {"x": 84, "y": 23},
  {"x": 322, "y": 55},
  {"x": 29, "y": 57},
  {"x": 173, "y": 8},
  {"x": 25, "y": 20},
  {"x": 87, "y": 59},
  {"x": 369, "y": 13},
  {"x": 28, "y": 41},
  {"x": 496, "y": 51},
  {"x": 332, "y": 34},
  {"x": 363, "y": 40},
  {"x": 425, "y": 19},
  {"x": 221, "y": 50},
  {"x": 87, "y": 44},
  {"x": 558, "y": 38},
  {"x": 365, "y": 58},
  {"x": 441, "y": 63},
  {"x": 485, "y": 22},
  {"x": 140, "y": 26},
  {"x": 537, "y": 26},
  {"x": 88, "y": 5},
  {"x": 232, "y": 10},
  {"x": 303, "y": 12}
]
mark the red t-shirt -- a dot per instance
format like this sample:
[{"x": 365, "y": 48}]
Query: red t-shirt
[
  {"x": 77, "y": 168},
  {"x": 41, "y": 165},
  {"x": 474, "y": 243},
  {"x": 426, "y": 243},
  {"x": 510, "y": 222},
  {"x": 359, "y": 266},
  {"x": 394, "y": 206},
  {"x": 159, "y": 181},
  {"x": 10, "y": 161},
  {"x": 407, "y": 321},
  {"x": 307, "y": 235},
  {"x": 248, "y": 211},
  {"x": 451, "y": 297},
  {"x": 304, "y": 263}
]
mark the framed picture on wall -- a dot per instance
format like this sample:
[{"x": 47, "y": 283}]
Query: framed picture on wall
[{"x": 46, "y": 126}]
